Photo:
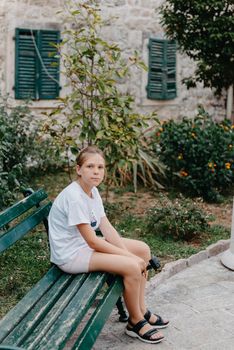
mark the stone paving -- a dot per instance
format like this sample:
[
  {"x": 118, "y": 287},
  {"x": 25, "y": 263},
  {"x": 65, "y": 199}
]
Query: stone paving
[{"x": 196, "y": 295}]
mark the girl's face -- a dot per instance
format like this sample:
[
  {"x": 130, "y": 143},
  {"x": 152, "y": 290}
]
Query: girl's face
[{"x": 92, "y": 171}]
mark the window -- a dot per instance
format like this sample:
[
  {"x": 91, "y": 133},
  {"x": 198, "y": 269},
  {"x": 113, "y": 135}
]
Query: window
[
  {"x": 36, "y": 68},
  {"x": 162, "y": 70}
]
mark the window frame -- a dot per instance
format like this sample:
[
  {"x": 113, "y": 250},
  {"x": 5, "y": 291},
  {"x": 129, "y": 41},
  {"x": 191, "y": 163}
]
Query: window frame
[
  {"x": 38, "y": 80},
  {"x": 162, "y": 69}
]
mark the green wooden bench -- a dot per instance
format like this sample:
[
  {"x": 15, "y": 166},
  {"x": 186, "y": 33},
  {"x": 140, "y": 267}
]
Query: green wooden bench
[{"x": 48, "y": 315}]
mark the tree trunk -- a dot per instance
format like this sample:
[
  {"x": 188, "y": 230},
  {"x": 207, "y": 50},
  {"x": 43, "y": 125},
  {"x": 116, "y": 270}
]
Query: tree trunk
[{"x": 230, "y": 115}]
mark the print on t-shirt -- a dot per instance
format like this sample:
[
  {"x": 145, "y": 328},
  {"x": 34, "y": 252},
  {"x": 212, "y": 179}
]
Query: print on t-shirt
[{"x": 93, "y": 219}]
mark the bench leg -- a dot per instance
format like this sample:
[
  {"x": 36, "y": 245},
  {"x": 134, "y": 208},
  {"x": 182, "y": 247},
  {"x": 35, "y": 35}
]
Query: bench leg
[{"x": 123, "y": 316}]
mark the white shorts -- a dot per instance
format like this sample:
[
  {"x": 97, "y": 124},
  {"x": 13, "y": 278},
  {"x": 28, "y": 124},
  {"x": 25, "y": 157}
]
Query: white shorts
[{"x": 80, "y": 263}]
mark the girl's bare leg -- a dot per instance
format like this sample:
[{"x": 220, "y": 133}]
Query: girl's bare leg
[
  {"x": 142, "y": 250},
  {"x": 131, "y": 273}
]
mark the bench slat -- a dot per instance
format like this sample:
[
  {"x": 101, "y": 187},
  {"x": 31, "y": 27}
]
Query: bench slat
[
  {"x": 17, "y": 232},
  {"x": 38, "y": 312},
  {"x": 102, "y": 312},
  {"x": 68, "y": 321},
  {"x": 34, "y": 337},
  {"x": 21, "y": 207},
  {"x": 15, "y": 315},
  {"x": 6, "y": 347}
]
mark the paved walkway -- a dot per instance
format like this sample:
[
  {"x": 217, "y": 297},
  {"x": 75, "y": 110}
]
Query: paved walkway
[{"x": 198, "y": 301}]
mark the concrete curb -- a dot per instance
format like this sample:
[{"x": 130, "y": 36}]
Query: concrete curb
[{"x": 170, "y": 269}]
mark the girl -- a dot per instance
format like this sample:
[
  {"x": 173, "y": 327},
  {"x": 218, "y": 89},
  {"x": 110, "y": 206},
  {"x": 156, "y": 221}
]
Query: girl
[{"x": 75, "y": 215}]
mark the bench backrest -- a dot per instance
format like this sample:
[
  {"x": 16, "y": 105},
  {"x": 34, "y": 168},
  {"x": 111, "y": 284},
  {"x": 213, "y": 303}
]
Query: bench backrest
[{"x": 15, "y": 223}]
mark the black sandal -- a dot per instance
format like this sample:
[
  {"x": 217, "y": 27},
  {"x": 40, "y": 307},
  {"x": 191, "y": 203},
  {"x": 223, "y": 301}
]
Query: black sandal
[
  {"x": 146, "y": 337},
  {"x": 159, "y": 323}
]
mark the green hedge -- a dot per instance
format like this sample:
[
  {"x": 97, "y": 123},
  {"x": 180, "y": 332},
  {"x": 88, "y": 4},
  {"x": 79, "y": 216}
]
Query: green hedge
[{"x": 198, "y": 153}]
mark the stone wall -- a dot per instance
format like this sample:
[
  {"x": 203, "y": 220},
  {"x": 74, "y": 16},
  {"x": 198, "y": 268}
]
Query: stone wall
[{"x": 136, "y": 22}]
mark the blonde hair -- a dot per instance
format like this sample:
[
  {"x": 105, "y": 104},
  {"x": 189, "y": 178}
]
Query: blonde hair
[{"x": 82, "y": 156}]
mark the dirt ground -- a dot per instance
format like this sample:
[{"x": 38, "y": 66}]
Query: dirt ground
[{"x": 139, "y": 202}]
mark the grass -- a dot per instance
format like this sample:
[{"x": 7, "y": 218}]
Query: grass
[
  {"x": 21, "y": 266},
  {"x": 166, "y": 248},
  {"x": 25, "y": 263}
]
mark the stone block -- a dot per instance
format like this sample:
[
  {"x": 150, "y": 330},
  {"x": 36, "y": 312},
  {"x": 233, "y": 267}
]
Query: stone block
[
  {"x": 114, "y": 3},
  {"x": 134, "y": 2},
  {"x": 152, "y": 4},
  {"x": 196, "y": 258},
  {"x": 138, "y": 23},
  {"x": 135, "y": 38},
  {"x": 225, "y": 243},
  {"x": 217, "y": 248},
  {"x": 175, "y": 266}
]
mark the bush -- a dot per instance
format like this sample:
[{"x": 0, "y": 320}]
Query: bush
[
  {"x": 14, "y": 147},
  {"x": 198, "y": 153},
  {"x": 21, "y": 150},
  {"x": 179, "y": 219}
]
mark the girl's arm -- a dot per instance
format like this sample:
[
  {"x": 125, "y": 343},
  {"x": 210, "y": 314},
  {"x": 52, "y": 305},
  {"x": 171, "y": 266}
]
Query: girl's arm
[
  {"x": 110, "y": 233},
  {"x": 99, "y": 244}
]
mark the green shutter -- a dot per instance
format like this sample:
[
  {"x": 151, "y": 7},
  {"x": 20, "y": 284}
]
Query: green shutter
[
  {"x": 36, "y": 70},
  {"x": 49, "y": 70},
  {"x": 25, "y": 65},
  {"x": 162, "y": 70}
]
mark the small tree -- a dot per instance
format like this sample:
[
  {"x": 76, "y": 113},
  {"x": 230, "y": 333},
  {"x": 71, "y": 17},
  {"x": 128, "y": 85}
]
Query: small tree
[
  {"x": 204, "y": 31},
  {"x": 95, "y": 111}
]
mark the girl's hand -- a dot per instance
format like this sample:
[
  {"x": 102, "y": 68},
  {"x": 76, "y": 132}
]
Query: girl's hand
[{"x": 142, "y": 265}]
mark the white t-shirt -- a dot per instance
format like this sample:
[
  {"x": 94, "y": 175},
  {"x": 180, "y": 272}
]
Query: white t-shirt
[{"x": 72, "y": 207}]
